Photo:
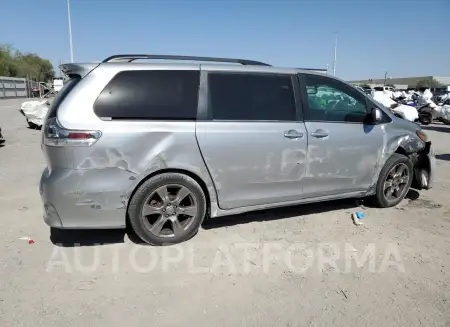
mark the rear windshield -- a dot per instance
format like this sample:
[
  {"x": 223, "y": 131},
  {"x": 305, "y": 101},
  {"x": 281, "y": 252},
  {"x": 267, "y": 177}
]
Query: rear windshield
[{"x": 61, "y": 95}]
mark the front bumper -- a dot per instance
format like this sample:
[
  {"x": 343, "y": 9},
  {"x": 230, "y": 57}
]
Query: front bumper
[{"x": 425, "y": 167}]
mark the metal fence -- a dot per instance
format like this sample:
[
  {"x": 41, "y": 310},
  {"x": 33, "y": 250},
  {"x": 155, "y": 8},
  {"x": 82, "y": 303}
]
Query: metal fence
[{"x": 13, "y": 87}]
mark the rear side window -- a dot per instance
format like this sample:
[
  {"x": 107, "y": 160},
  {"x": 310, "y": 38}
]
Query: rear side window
[
  {"x": 155, "y": 94},
  {"x": 61, "y": 95},
  {"x": 235, "y": 96}
]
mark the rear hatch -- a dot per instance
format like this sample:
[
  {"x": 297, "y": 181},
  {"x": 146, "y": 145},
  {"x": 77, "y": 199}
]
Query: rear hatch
[{"x": 57, "y": 141}]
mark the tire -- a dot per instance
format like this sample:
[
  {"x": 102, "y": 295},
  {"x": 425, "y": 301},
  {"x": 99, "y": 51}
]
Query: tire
[
  {"x": 445, "y": 121},
  {"x": 32, "y": 125},
  {"x": 425, "y": 118},
  {"x": 381, "y": 197},
  {"x": 173, "y": 220}
]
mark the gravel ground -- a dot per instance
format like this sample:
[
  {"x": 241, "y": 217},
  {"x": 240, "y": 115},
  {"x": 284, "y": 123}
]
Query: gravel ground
[{"x": 305, "y": 265}]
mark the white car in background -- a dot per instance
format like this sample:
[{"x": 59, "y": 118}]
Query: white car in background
[{"x": 35, "y": 111}]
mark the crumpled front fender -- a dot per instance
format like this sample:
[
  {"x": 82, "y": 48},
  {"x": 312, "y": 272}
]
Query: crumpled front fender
[
  {"x": 419, "y": 152},
  {"x": 424, "y": 167}
]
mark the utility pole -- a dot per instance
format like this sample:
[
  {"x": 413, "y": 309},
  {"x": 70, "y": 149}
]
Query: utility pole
[
  {"x": 70, "y": 31},
  {"x": 335, "y": 54}
]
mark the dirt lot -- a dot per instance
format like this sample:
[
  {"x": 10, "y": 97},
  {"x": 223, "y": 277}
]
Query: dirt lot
[{"x": 307, "y": 265}]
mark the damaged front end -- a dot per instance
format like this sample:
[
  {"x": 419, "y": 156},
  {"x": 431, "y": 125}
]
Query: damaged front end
[{"x": 424, "y": 162}]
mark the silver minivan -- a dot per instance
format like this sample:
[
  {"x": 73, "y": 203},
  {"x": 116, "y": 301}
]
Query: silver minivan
[{"x": 165, "y": 145}]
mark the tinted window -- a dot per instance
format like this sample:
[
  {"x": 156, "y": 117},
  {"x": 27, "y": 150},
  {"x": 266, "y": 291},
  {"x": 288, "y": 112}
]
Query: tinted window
[
  {"x": 251, "y": 97},
  {"x": 334, "y": 101},
  {"x": 141, "y": 94}
]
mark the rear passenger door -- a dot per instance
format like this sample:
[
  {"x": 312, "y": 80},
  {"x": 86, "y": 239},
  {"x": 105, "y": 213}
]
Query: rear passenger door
[{"x": 252, "y": 137}]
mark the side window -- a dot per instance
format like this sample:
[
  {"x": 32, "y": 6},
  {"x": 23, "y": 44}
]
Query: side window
[
  {"x": 264, "y": 97},
  {"x": 333, "y": 101},
  {"x": 150, "y": 94}
]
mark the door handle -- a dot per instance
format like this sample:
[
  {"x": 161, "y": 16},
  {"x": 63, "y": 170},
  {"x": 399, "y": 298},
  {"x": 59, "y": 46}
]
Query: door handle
[
  {"x": 320, "y": 133},
  {"x": 293, "y": 134}
]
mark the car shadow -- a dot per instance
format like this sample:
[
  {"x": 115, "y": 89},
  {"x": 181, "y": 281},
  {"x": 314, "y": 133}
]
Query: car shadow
[
  {"x": 445, "y": 157},
  {"x": 437, "y": 128},
  {"x": 412, "y": 195},
  {"x": 281, "y": 213},
  {"x": 96, "y": 237},
  {"x": 86, "y": 237}
]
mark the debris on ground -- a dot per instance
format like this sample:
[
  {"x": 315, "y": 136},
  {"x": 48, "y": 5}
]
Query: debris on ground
[
  {"x": 360, "y": 203},
  {"x": 29, "y": 240},
  {"x": 343, "y": 292},
  {"x": 356, "y": 217}
]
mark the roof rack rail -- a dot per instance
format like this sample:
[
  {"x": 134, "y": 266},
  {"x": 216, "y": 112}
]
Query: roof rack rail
[
  {"x": 132, "y": 57},
  {"x": 315, "y": 69}
]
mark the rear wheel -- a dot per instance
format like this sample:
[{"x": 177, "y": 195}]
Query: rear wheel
[
  {"x": 425, "y": 118},
  {"x": 394, "y": 181},
  {"x": 167, "y": 209},
  {"x": 446, "y": 121}
]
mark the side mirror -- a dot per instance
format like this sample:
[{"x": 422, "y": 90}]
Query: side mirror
[{"x": 376, "y": 115}]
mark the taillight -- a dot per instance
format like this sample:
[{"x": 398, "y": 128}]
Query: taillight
[{"x": 56, "y": 135}]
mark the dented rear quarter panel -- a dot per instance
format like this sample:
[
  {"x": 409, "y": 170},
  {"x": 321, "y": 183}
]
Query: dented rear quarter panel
[
  {"x": 102, "y": 178},
  {"x": 90, "y": 186}
]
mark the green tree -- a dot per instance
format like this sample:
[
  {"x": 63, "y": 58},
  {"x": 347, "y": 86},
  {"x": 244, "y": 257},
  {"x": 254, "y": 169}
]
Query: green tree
[
  {"x": 15, "y": 64},
  {"x": 7, "y": 65},
  {"x": 427, "y": 83}
]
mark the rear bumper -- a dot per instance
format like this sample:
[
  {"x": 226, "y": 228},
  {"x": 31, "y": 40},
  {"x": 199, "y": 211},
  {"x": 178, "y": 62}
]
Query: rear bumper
[{"x": 78, "y": 199}]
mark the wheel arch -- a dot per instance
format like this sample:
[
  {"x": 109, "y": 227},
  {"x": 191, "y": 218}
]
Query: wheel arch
[
  {"x": 401, "y": 150},
  {"x": 194, "y": 176}
]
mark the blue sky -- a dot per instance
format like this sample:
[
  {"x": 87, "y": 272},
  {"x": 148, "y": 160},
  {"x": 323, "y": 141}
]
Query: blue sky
[{"x": 405, "y": 38}]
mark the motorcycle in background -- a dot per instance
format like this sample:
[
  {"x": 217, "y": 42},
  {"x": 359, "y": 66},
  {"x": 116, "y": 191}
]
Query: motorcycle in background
[{"x": 429, "y": 111}]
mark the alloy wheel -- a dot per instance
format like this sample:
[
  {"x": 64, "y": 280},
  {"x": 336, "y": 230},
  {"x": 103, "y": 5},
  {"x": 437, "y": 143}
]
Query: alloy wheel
[
  {"x": 396, "y": 182},
  {"x": 169, "y": 210}
]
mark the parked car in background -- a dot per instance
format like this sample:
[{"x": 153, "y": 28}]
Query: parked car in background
[
  {"x": 167, "y": 145},
  {"x": 384, "y": 88},
  {"x": 35, "y": 111}
]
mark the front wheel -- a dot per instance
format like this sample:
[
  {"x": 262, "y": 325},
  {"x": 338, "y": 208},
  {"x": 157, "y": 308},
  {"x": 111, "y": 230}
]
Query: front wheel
[
  {"x": 394, "y": 181},
  {"x": 167, "y": 209}
]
